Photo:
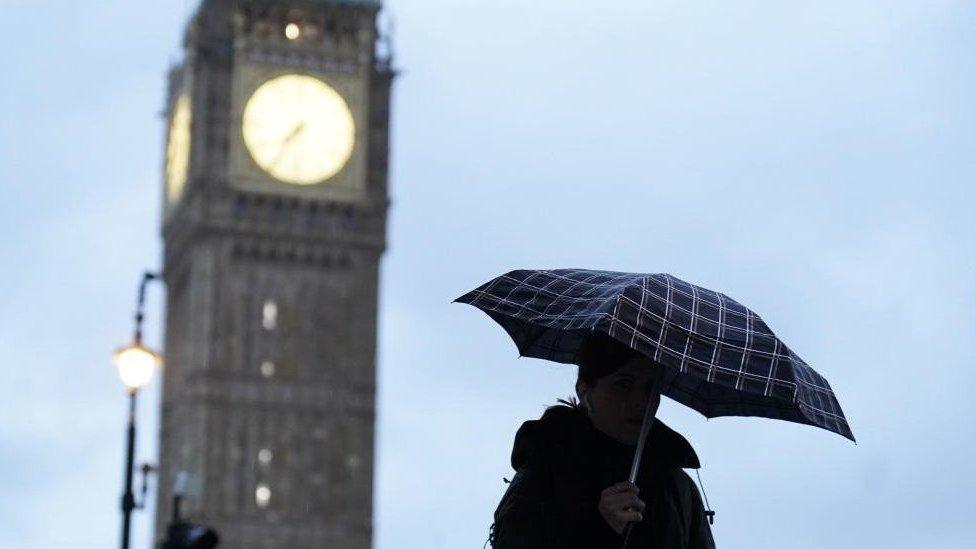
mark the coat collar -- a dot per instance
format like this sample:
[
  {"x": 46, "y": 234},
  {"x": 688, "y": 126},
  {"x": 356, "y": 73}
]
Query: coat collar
[{"x": 565, "y": 432}]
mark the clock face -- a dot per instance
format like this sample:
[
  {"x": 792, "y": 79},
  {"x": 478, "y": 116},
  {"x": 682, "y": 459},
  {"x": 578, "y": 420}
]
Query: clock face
[
  {"x": 178, "y": 148},
  {"x": 298, "y": 129}
]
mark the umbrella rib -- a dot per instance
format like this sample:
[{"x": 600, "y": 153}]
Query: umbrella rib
[
  {"x": 692, "y": 326},
  {"x": 664, "y": 325},
  {"x": 539, "y": 314}
]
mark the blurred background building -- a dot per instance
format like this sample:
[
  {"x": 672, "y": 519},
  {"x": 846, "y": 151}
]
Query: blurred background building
[{"x": 274, "y": 223}]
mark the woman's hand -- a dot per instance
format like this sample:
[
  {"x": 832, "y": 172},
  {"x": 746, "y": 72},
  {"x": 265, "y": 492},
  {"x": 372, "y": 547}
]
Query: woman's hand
[{"x": 619, "y": 505}]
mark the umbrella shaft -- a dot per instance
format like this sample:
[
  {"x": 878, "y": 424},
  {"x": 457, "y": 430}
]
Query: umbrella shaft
[{"x": 642, "y": 439}]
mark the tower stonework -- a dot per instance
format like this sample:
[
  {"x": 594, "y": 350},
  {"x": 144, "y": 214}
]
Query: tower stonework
[{"x": 274, "y": 223}]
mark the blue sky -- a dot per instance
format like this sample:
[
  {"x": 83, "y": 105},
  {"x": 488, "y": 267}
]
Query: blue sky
[{"x": 814, "y": 161}]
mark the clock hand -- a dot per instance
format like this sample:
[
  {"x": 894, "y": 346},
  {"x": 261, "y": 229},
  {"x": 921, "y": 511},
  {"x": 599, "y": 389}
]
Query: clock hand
[
  {"x": 291, "y": 135},
  {"x": 294, "y": 132}
]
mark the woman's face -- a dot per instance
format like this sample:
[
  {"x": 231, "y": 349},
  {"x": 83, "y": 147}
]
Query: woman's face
[{"x": 616, "y": 404}]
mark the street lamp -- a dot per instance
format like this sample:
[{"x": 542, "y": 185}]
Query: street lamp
[{"x": 136, "y": 365}]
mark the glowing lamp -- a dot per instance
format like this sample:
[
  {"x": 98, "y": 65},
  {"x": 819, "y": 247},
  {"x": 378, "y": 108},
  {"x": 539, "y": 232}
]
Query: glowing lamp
[{"x": 136, "y": 365}]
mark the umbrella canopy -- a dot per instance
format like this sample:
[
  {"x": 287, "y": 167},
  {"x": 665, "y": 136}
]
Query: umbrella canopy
[{"x": 720, "y": 358}]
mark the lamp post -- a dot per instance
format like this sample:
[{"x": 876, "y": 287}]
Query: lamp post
[{"x": 136, "y": 365}]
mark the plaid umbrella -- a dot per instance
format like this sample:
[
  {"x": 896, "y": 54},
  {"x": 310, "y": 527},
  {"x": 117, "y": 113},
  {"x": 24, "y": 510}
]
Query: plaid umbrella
[{"x": 720, "y": 358}]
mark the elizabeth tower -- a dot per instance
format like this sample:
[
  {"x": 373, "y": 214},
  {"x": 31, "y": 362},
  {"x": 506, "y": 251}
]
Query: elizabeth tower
[{"x": 274, "y": 222}]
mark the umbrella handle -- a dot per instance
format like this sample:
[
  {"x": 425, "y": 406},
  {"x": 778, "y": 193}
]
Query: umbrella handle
[{"x": 627, "y": 530}]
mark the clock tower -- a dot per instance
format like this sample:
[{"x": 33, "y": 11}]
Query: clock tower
[{"x": 274, "y": 222}]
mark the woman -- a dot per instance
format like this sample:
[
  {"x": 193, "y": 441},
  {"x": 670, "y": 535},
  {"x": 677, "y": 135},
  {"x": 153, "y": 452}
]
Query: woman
[{"x": 570, "y": 489}]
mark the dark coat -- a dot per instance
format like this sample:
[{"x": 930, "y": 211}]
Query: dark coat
[{"x": 562, "y": 463}]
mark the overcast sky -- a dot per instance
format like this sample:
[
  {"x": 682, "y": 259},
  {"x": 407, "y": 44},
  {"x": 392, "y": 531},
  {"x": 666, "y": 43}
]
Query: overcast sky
[{"x": 814, "y": 161}]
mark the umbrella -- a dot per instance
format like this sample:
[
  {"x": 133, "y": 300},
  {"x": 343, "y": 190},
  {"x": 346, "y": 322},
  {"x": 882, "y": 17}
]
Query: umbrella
[{"x": 720, "y": 358}]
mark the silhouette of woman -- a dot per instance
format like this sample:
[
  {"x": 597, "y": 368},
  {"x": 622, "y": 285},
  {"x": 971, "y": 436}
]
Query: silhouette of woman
[{"x": 570, "y": 490}]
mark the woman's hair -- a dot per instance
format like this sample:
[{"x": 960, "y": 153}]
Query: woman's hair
[{"x": 600, "y": 355}]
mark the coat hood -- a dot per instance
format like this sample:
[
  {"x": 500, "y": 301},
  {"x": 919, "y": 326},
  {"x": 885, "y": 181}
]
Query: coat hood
[{"x": 564, "y": 434}]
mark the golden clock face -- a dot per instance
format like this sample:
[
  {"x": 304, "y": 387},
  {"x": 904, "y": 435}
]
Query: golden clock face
[
  {"x": 178, "y": 148},
  {"x": 298, "y": 129}
]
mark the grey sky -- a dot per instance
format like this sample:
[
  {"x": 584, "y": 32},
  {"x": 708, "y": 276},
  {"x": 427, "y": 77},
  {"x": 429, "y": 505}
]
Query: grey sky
[{"x": 814, "y": 161}]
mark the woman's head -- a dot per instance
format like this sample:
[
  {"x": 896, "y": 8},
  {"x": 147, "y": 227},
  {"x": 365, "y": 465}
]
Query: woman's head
[{"x": 616, "y": 385}]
